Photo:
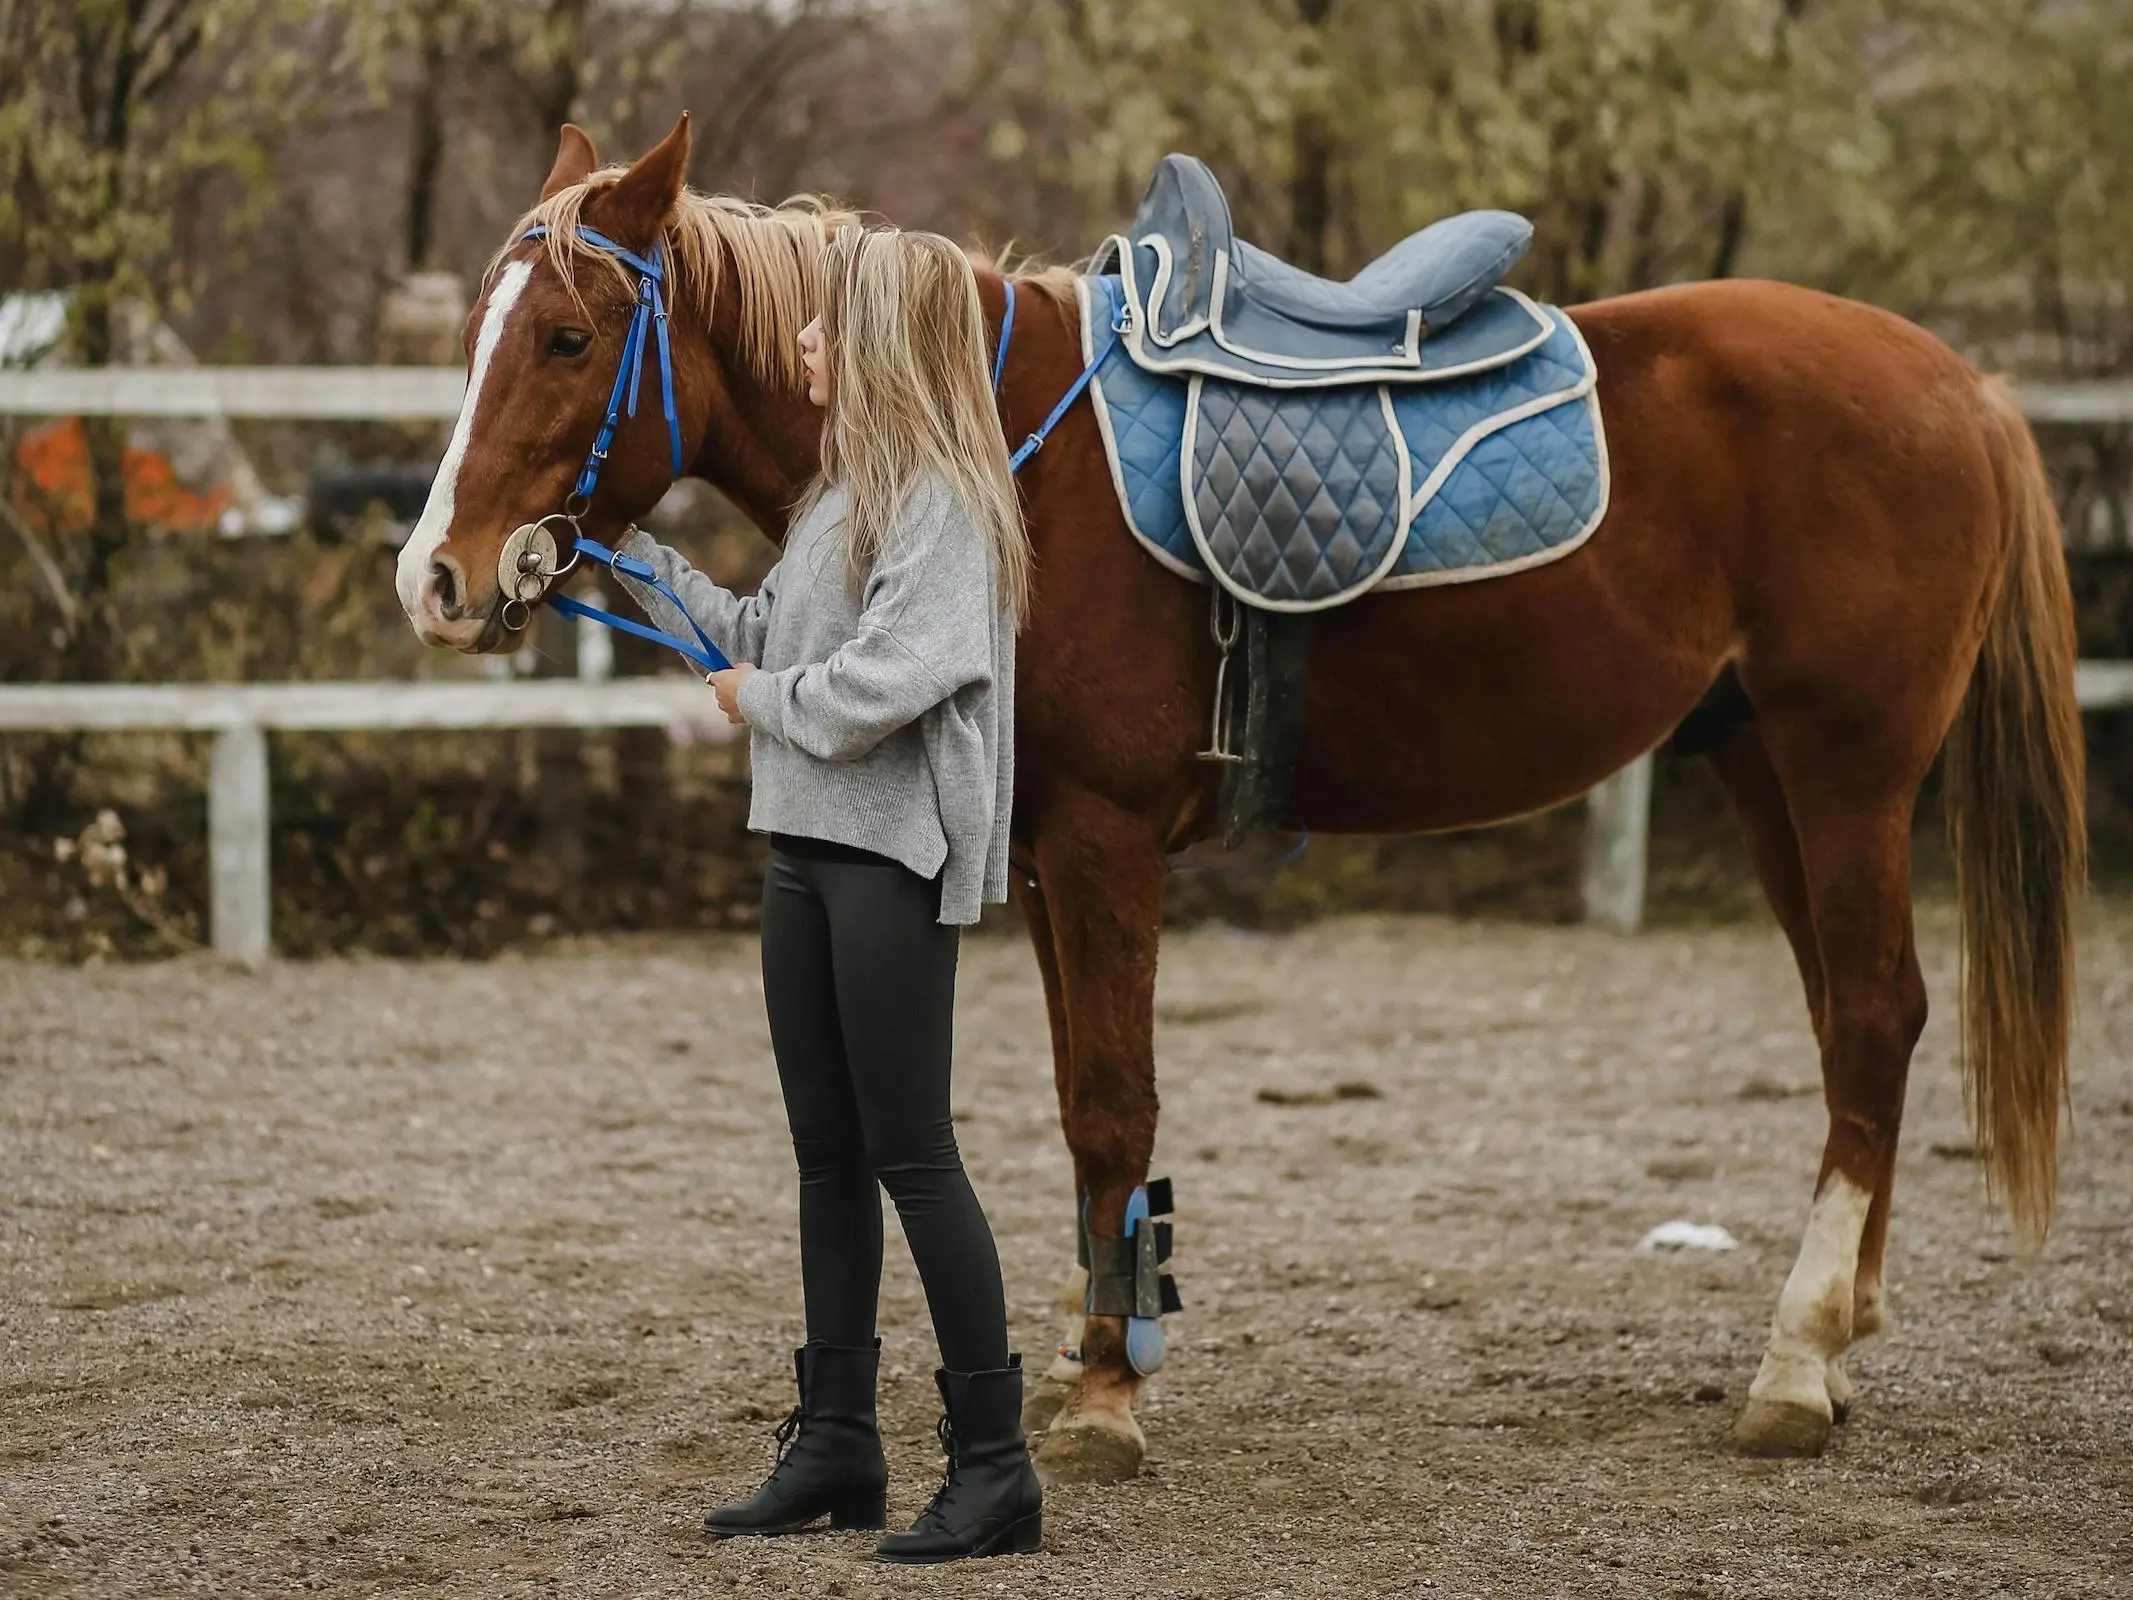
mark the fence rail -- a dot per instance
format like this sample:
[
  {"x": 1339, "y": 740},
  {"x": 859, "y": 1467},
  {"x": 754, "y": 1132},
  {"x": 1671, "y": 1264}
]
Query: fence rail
[
  {"x": 2094, "y": 400},
  {"x": 354, "y": 707},
  {"x": 295, "y": 394}
]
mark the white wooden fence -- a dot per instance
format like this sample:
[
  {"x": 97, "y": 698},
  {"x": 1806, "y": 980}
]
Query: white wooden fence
[
  {"x": 295, "y": 394},
  {"x": 1619, "y": 809},
  {"x": 240, "y": 715}
]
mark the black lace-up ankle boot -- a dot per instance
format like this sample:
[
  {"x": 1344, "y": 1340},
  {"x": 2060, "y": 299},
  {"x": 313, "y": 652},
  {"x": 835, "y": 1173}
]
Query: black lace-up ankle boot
[
  {"x": 989, "y": 1502},
  {"x": 829, "y": 1452}
]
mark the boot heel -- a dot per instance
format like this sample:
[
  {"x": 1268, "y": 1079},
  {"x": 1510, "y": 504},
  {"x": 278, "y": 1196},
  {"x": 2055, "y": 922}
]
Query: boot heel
[
  {"x": 1022, "y": 1538},
  {"x": 870, "y": 1511}
]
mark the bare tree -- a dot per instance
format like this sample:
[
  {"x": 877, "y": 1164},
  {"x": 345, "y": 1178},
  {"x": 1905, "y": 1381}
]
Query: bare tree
[{"x": 113, "y": 105}]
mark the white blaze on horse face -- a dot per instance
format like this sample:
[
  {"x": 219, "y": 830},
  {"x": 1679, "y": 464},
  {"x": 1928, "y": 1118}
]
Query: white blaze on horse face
[
  {"x": 1814, "y": 1311},
  {"x": 418, "y": 596}
]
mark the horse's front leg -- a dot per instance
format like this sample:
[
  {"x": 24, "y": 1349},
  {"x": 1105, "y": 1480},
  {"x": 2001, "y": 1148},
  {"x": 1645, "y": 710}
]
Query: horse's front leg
[
  {"x": 1101, "y": 871},
  {"x": 1050, "y": 1388}
]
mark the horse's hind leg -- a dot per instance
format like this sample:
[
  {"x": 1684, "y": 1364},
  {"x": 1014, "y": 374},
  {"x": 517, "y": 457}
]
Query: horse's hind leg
[
  {"x": 1743, "y": 766},
  {"x": 1854, "y": 840}
]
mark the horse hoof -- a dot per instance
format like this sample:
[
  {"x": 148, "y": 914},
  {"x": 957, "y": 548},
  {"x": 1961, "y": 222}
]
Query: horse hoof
[
  {"x": 1085, "y": 1450},
  {"x": 1043, "y": 1403},
  {"x": 1779, "y": 1428}
]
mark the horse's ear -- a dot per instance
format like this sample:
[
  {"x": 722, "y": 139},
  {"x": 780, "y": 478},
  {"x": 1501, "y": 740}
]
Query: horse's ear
[
  {"x": 635, "y": 211},
  {"x": 575, "y": 159}
]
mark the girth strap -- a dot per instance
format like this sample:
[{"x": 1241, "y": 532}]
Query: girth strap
[{"x": 1265, "y": 705}]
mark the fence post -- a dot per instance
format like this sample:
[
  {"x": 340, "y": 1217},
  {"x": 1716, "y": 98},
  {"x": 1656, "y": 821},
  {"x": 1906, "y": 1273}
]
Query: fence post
[
  {"x": 1617, "y": 831},
  {"x": 596, "y": 646},
  {"x": 237, "y": 843}
]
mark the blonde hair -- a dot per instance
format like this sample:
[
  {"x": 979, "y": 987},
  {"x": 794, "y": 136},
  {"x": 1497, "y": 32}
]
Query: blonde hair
[{"x": 905, "y": 339}]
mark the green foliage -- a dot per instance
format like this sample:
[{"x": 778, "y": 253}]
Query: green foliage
[
  {"x": 113, "y": 111},
  {"x": 569, "y": 60},
  {"x": 1898, "y": 149},
  {"x": 1998, "y": 158}
]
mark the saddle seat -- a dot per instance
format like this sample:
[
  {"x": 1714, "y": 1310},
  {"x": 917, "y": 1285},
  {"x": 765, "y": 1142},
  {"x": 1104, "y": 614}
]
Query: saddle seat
[
  {"x": 1203, "y": 300},
  {"x": 1438, "y": 272}
]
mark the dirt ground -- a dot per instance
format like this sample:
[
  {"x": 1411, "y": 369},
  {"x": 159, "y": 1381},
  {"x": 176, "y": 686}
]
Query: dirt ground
[{"x": 478, "y": 1279}]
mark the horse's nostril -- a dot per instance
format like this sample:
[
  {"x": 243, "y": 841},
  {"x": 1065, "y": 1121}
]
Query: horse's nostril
[{"x": 441, "y": 579}]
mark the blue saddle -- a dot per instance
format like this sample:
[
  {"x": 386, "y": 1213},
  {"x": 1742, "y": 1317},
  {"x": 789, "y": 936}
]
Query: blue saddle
[
  {"x": 1203, "y": 300},
  {"x": 1296, "y": 499}
]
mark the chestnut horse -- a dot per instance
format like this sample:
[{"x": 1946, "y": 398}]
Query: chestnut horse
[{"x": 1814, "y": 493}]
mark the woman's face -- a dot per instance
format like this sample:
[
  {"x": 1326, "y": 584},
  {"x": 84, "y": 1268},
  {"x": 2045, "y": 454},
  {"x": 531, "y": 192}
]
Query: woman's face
[{"x": 814, "y": 361}]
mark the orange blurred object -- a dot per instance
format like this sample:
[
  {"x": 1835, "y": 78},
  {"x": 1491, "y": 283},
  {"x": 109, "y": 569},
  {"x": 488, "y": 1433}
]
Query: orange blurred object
[{"x": 56, "y": 492}]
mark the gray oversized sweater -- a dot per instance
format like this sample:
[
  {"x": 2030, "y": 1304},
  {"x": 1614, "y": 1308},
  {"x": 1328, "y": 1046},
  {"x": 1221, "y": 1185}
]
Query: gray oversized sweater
[{"x": 883, "y": 712}]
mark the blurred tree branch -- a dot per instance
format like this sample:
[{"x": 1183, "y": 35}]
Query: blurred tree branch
[{"x": 33, "y": 545}]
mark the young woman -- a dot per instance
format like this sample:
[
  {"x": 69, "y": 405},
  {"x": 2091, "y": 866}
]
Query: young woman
[{"x": 876, "y": 668}]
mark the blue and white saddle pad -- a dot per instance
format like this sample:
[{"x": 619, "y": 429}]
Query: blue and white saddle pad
[{"x": 1300, "y": 499}]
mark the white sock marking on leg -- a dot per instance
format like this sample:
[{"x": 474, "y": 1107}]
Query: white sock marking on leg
[{"x": 1814, "y": 1310}]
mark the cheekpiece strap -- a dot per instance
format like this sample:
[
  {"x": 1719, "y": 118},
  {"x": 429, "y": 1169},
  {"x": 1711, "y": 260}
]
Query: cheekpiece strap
[{"x": 648, "y": 322}]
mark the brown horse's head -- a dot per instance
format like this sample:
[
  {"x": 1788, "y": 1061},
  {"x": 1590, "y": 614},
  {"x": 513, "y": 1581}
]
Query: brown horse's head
[{"x": 543, "y": 345}]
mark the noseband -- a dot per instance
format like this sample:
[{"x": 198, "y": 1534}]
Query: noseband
[{"x": 530, "y": 563}]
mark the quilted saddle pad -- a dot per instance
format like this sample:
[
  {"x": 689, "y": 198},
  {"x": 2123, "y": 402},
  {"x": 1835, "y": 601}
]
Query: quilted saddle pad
[{"x": 1296, "y": 500}]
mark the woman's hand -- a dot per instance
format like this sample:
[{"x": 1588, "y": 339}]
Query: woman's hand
[{"x": 727, "y": 686}]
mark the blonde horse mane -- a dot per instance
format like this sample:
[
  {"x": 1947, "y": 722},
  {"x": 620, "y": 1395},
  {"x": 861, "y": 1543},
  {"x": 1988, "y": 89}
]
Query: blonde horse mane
[{"x": 773, "y": 250}]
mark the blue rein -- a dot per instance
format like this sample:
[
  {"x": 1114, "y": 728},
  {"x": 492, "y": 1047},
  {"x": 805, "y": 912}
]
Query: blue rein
[
  {"x": 1035, "y": 441},
  {"x": 709, "y": 656},
  {"x": 648, "y": 321},
  {"x": 1007, "y": 334}
]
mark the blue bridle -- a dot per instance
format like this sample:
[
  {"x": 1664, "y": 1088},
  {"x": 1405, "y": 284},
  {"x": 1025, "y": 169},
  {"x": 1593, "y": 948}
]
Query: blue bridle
[
  {"x": 521, "y": 567},
  {"x": 648, "y": 320},
  {"x": 522, "y": 562}
]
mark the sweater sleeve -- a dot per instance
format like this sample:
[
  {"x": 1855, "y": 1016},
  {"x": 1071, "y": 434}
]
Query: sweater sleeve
[
  {"x": 924, "y": 633},
  {"x": 736, "y": 623}
]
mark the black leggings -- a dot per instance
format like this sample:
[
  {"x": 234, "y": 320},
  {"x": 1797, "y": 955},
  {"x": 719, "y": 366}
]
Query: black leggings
[{"x": 859, "y": 981}]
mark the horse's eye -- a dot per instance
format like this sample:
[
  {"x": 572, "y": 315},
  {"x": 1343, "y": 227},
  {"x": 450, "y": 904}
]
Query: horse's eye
[{"x": 568, "y": 342}]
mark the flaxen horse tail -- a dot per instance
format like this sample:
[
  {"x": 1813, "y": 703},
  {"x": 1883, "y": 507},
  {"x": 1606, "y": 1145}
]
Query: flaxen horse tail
[{"x": 2014, "y": 778}]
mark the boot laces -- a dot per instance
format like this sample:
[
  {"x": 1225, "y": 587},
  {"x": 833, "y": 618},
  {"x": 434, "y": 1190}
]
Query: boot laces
[
  {"x": 937, "y": 1508},
  {"x": 787, "y": 1433}
]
